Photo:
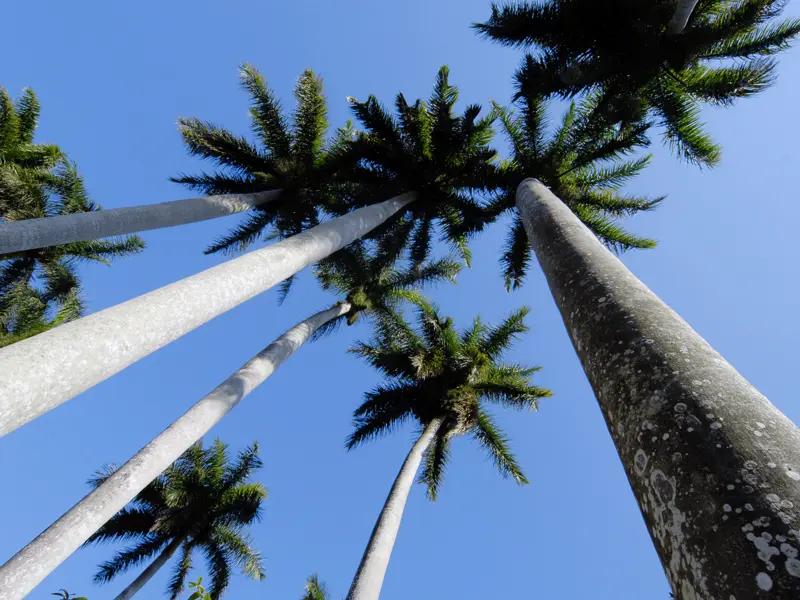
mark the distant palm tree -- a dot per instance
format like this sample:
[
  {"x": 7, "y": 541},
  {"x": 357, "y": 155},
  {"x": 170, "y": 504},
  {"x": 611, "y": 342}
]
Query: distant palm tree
[
  {"x": 314, "y": 589},
  {"x": 202, "y": 502},
  {"x": 36, "y": 180},
  {"x": 440, "y": 379},
  {"x": 660, "y": 57},
  {"x": 582, "y": 161}
]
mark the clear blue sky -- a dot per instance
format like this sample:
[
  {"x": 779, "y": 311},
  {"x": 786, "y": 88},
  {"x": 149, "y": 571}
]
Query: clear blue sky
[{"x": 112, "y": 78}]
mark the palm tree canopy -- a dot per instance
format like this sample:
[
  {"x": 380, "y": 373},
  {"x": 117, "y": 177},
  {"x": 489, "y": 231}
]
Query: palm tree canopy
[
  {"x": 315, "y": 590},
  {"x": 290, "y": 154},
  {"x": 437, "y": 372},
  {"x": 426, "y": 148},
  {"x": 205, "y": 499},
  {"x": 36, "y": 181},
  {"x": 622, "y": 48},
  {"x": 584, "y": 161},
  {"x": 369, "y": 276}
]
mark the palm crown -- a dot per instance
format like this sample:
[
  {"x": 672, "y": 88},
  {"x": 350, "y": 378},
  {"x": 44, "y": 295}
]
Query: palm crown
[
  {"x": 582, "y": 162},
  {"x": 37, "y": 181},
  {"x": 438, "y": 372},
  {"x": 367, "y": 274},
  {"x": 426, "y": 148},
  {"x": 205, "y": 499},
  {"x": 623, "y": 48}
]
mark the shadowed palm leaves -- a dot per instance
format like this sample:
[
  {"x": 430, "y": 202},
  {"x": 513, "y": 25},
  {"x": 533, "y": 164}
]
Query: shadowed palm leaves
[
  {"x": 367, "y": 276},
  {"x": 290, "y": 157},
  {"x": 37, "y": 181},
  {"x": 440, "y": 373},
  {"x": 628, "y": 51},
  {"x": 426, "y": 148},
  {"x": 582, "y": 163},
  {"x": 203, "y": 502}
]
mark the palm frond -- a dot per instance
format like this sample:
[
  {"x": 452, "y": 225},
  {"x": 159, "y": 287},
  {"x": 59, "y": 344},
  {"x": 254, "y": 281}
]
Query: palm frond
[
  {"x": 310, "y": 118},
  {"x": 495, "y": 443},
  {"x": 180, "y": 572},
  {"x": 130, "y": 557},
  {"x": 436, "y": 459},
  {"x": 265, "y": 111},
  {"x": 314, "y": 589}
]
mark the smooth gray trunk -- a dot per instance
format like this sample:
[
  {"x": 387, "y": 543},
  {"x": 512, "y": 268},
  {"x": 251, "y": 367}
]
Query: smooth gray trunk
[
  {"x": 714, "y": 466},
  {"x": 369, "y": 577},
  {"x": 25, "y": 570},
  {"x": 681, "y": 16},
  {"x": 18, "y": 236},
  {"x": 153, "y": 568},
  {"x": 46, "y": 370}
]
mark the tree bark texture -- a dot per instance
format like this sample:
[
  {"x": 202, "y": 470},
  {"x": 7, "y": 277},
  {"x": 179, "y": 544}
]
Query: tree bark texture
[
  {"x": 46, "y": 370},
  {"x": 368, "y": 581},
  {"x": 18, "y": 236},
  {"x": 25, "y": 570},
  {"x": 714, "y": 466}
]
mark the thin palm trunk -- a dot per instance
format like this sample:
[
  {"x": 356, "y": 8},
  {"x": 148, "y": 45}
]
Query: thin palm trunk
[
  {"x": 681, "y": 16},
  {"x": 714, "y": 466},
  {"x": 18, "y": 236},
  {"x": 369, "y": 577},
  {"x": 46, "y": 370},
  {"x": 23, "y": 572},
  {"x": 153, "y": 568}
]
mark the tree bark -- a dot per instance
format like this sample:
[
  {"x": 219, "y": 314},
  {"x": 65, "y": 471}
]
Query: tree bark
[
  {"x": 46, "y": 370},
  {"x": 153, "y": 568},
  {"x": 714, "y": 466},
  {"x": 18, "y": 236},
  {"x": 681, "y": 17},
  {"x": 25, "y": 570},
  {"x": 368, "y": 581}
]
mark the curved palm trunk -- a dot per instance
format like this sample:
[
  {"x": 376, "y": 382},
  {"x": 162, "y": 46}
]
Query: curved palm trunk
[
  {"x": 714, "y": 466},
  {"x": 25, "y": 570},
  {"x": 17, "y": 236},
  {"x": 369, "y": 577},
  {"x": 42, "y": 372},
  {"x": 145, "y": 576},
  {"x": 681, "y": 16}
]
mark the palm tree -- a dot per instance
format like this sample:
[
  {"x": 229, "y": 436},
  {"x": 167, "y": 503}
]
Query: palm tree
[
  {"x": 583, "y": 161},
  {"x": 440, "y": 379},
  {"x": 689, "y": 429},
  {"x": 367, "y": 281},
  {"x": 36, "y": 180},
  {"x": 314, "y": 589},
  {"x": 24, "y": 312},
  {"x": 661, "y": 57},
  {"x": 202, "y": 503},
  {"x": 454, "y": 163}
]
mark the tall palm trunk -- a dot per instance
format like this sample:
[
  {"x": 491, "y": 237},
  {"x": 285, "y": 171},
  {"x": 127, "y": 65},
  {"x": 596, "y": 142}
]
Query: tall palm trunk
[
  {"x": 17, "y": 236},
  {"x": 369, "y": 577},
  {"x": 25, "y": 570},
  {"x": 145, "y": 576},
  {"x": 681, "y": 16},
  {"x": 46, "y": 370},
  {"x": 714, "y": 466}
]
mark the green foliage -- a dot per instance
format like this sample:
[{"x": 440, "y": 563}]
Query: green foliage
[
  {"x": 39, "y": 288},
  {"x": 427, "y": 148},
  {"x": 65, "y": 595},
  {"x": 199, "y": 592},
  {"x": 314, "y": 589},
  {"x": 368, "y": 275},
  {"x": 621, "y": 49},
  {"x": 436, "y": 372},
  {"x": 584, "y": 160},
  {"x": 291, "y": 154},
  {"x": 203, "y": 499}
]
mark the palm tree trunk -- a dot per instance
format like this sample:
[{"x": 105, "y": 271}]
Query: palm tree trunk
[
  {"x": 44, "y": 371},
  {"x": 681, "y": 16},
  {"x": 25, "y": 570},
  {"x": 369, "y": 577},
  {"x": 145, "y": 576},
  {"x": 714, "y": 466},
  {"x": 17, "y": 236}
]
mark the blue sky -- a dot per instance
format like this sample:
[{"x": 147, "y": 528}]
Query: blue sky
[{"x": 113, "y": 77}]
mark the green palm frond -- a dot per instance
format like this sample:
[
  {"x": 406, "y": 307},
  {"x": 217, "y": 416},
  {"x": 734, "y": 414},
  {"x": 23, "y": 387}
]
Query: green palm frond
[
  {"x": 266, "y": 112},
  {"x": 180, "y": 572},
  {"x": 499, "y": 338},
  {"x": 496, "y": 444},
  {"x": 314, "y": 589},
  {"x": 310, "y": 118},
  {"x": 436, "y": 458},
  {"x": 130, "y": 558},
  {"x": 219, "y": 569}
]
